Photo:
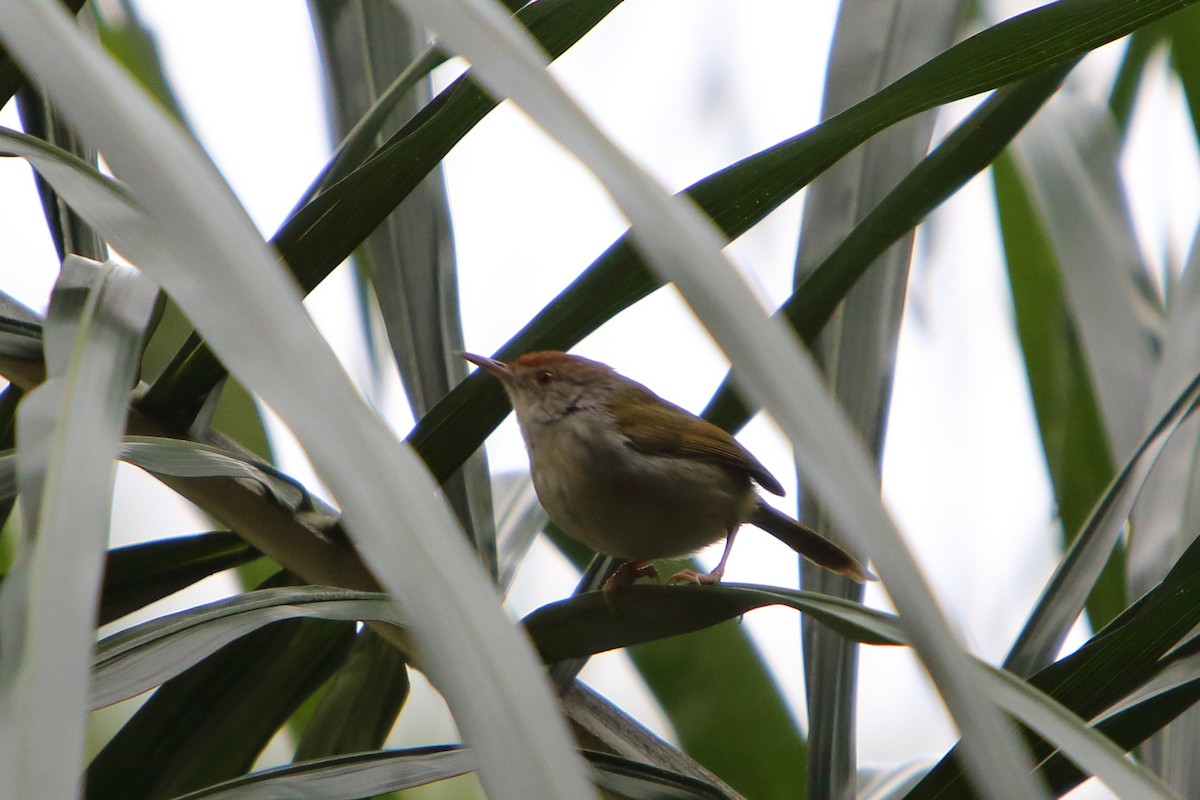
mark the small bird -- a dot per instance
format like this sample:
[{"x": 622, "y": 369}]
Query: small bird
[{"x": 633, "y": 476}]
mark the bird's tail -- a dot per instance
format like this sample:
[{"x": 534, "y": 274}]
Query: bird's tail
[{"x": 808, "y": 543}]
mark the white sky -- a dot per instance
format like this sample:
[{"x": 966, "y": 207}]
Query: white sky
[{"x": 729, "y": 79}]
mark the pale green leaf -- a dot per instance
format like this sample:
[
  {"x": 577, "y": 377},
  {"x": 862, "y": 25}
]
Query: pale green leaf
[
  {"x": 68, "y": 432},
  {"x": 1068, "y": 157},
  {"x": 139, "y": 658},
  {"x": 1091, "y": 750},
  {"x": 186, "y": 459},
  {"x": 875, "y": 43},
  {"x": 1065, "y": 593}
]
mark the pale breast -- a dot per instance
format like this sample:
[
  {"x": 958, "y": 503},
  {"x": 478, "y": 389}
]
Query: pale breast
[{"x": 632, "y": 505}]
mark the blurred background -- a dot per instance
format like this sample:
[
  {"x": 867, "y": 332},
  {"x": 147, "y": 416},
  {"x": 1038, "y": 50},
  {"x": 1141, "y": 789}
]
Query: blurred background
[{"x": 686, "y": 87}]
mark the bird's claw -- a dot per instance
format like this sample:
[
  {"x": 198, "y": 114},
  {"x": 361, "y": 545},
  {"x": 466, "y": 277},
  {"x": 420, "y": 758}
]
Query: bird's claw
[
  {"x": 701, "y": 578},
  {"x": 629, "y": 572}
]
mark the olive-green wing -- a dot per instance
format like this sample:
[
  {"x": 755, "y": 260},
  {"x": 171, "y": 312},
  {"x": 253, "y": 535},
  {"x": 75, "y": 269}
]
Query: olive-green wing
[{"x": 681, "y": 434}]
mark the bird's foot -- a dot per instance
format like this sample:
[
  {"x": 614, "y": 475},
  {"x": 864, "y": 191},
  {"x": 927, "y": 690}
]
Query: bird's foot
[
  {"x": 629, "y": 572},
  {"x": 703, "y": 578}
]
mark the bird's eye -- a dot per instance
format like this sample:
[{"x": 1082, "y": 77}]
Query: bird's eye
[{"x": 544, "y": 377}]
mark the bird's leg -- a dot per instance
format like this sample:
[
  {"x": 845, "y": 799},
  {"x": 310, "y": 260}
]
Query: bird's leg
[
  {"x": 691, "y": 576},
  {"x": 629, "y": 572}
]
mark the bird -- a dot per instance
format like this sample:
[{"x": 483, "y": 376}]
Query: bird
[{"x": 634, "y": 476}]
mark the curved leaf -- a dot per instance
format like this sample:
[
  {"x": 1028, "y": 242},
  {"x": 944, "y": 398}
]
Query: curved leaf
[
  {"x": 367, "y": 774},
  {"x": 68, "y": 432},
  {"x": 598, "y": 621},
  {"x": 183, "y": 458},
  {"x": 139, "y": 658},
  {"x": 1128, "y": 729},
  {"x": 187, "y": 459},
  {"x": 347, "y": 777},
  {"x": 1090, "y": 749}
]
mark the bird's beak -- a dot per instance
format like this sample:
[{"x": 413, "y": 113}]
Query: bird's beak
[{"x": 490, "y": 365}]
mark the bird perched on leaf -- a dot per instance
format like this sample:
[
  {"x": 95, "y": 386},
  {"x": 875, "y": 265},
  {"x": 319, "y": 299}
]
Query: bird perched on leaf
[{"x": 633, "y": 476}]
